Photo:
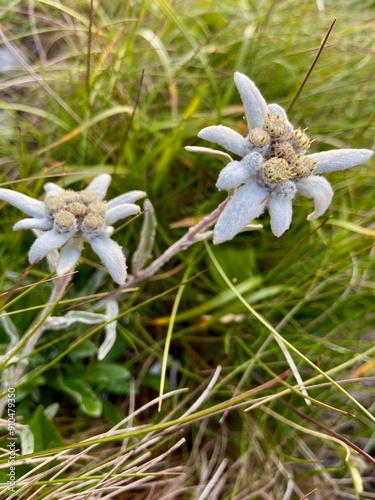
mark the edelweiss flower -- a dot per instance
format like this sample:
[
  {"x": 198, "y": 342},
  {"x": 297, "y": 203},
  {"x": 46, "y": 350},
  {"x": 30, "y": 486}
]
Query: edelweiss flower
[
  {"x": 274, "y": 166},
  {"x": 68, "y": 218}
]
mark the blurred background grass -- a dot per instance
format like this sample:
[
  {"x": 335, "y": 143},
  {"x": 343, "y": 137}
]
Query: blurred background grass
[{"x": 122, "y": 87}]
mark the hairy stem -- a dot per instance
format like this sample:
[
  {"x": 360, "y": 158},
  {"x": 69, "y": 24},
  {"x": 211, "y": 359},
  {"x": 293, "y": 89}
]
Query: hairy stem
[{"x": 188, "y": 239}]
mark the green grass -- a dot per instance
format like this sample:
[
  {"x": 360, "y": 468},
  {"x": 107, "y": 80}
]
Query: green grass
[{"x": 153, "y": 75}]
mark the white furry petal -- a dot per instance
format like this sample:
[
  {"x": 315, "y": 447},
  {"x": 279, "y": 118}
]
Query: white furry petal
[
  {"x": 221, "y": 155},
  {"x": 69, "y": 255},
  {"x": 45, "y": 243},
  {"x": 318, "y": 188},
  {"x": 248, "y": 202},
  {"x": 239, "y": 172},
  {"x": 112, "y": 257},
  {"x": 34, "y": 208},
  {"x": 340, "y": 159},
  {"x": 52, "y": 188},
  {"x": 280, "y": 210},
  {"x": 43, "y": 224},
  {"x": 232, "y": 176},
  {"x": 129, "y": 197},
  {"x": 100, "y": 185},
  {"x": 275, "y": 109},
  {"x": 256, "y": 109},
  {"x": 116, "y": 213},
  {"x": 225, "y": 137}
]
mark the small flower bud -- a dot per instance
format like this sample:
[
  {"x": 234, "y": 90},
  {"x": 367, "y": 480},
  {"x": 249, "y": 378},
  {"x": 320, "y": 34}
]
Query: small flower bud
[
  {"x": 304, "y": 166},
  {"x": 259, "y": 137},
  {"x": 283, "y": 150},
  {"x": 278, "y": 170},
  {"x": 97, "y": 207},
  {"x": 300, "y": 141},
  {"x": 69, "y": 196},
  {"x": 77, "y": 209},
  {"x": 64, "y": 221},
  {"x": 87, "y": 196},
  {"x": 276, "y": 126},
  {"x": 92, "y": 222},
  {"x": 54, "y": 203}
]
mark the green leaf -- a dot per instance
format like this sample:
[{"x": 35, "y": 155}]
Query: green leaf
[
  {"x": 80, "y": 392},
  {"x": 238, "y": 265},
  {"x": 111, "y": 377},
  {"x": 112, "y": 413},
  {"x": 84, "y": 349},
  {"x": 45, "y": 433},
  {"x": 104, "y": 373}
]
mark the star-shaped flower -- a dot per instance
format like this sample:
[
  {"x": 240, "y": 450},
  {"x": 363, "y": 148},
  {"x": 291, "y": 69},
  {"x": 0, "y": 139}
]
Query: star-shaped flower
[
  {"x": 66, "y": 219},
  {"x": 274, "y": 166}
]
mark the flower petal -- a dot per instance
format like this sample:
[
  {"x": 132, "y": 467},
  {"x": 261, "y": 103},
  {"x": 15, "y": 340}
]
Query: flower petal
[
  {"x": 340, "y": 159},
  {"x": 45, "y": 243},
  {"x": 129, "y": 197},
  {"x": 109, "y": 231},
  {"x": 247, "y": 203},
  {"x": 52, "y": 188},
  {"x": 34, "y": 208},
  {"x": 225, "y": 137},
  {"x": 69, "y": 255},
  {"x": 120, "y": 212},
  {"x": 256, "y": 109},
  {"x": 100, "y": 185},
  {"x": 43, "y": 224},
  {"x": 239, "y": 172},
  {"x": 275, "y": 109},
  {"x": 220, "y": 155},
  {"x": 318, "y": 188},
  {"x": 232, "y": 176},
  {"x": 112, "y": 257},
  {"x": 280, "y": 210}
]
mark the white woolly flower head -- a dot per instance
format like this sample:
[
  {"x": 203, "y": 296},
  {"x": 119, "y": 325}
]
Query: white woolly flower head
[
  {"x": 66, "y": 219},
  {"x": 274, "y": 166}
]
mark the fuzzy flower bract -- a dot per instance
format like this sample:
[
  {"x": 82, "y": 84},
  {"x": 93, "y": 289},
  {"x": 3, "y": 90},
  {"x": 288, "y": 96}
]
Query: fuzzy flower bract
[
  {"x": 66, "y": 219},
  {"x": 274, "y": 166}
]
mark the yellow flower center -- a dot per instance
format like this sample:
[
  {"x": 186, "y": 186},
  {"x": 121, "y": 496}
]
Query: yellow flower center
[
  {"x": 278, "y": 170},
  {"x": 88, "y": 196},
  {"x": 93, "y": 221},
  {"x": 304, "y": 166},
  {"x": 64, "y": 220},
  {"x": 259, "y": 137},
  {"x": 97, "y": 207},
  {"x": 54, "y": 203},
  {"x": 300, "y": 140},
  {"x": 69, "y": 196},
  {"x": 79, "y": 211},
  {"x": 76, "y": 208},
  {"x": 284, "y": 150},
  {"x": 276, "y": 126}
]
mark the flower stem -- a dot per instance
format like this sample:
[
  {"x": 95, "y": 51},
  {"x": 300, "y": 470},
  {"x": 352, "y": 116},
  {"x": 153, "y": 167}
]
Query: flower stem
[{"x": 188, "y": 239}]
